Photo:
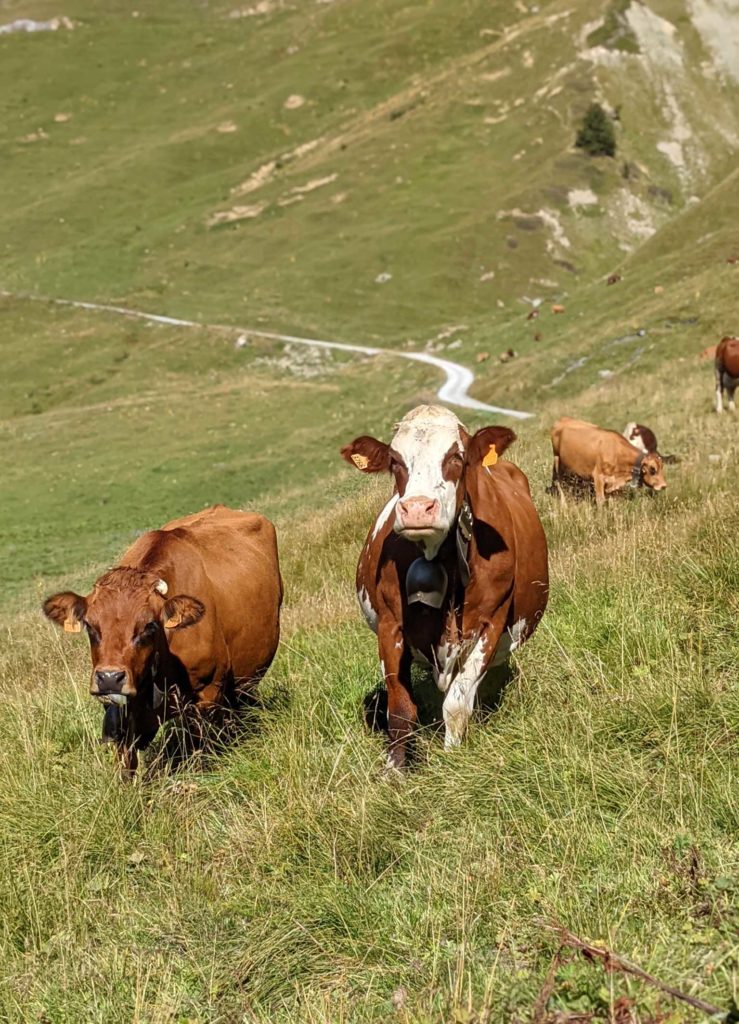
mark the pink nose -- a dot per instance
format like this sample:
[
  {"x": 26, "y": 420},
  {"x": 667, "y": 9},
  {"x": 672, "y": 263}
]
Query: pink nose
[{"x": 418, "y": 513}]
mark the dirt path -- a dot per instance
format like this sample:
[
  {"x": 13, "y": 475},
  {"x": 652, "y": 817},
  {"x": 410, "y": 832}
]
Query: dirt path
[{"x": 454, "y": 390}]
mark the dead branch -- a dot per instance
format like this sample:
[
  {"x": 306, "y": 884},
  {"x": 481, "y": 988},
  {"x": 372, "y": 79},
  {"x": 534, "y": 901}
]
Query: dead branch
[{"x": 615, "y": 962}]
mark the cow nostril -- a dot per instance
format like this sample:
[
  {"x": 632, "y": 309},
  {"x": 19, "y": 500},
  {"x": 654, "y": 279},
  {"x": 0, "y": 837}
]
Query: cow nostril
[{"x": 109, "y": 681}]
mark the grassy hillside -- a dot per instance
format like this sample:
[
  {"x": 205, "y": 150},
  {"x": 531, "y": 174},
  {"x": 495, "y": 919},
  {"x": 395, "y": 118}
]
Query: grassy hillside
[
  {"x": 282, "y": 877},
  {"x": 351, "y": 140}
]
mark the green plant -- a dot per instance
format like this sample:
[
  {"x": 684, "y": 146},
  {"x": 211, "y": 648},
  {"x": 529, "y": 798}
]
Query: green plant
[{"x": 596, "y": 135}]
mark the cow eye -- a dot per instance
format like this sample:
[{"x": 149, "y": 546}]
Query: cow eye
[
  {"x": 93, "y": 633},
  {"x": 147, "y": 634}
]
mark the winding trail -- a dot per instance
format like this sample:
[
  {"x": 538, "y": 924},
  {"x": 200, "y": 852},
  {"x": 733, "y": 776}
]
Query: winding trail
[{"x": 454, "y": 390}]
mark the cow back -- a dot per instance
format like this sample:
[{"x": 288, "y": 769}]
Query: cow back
[{"x": 228, "y": 560}]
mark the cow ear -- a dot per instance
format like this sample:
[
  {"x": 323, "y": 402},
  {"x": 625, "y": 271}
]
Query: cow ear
[
  {"x": 181, "y": 611},
  {"x": 67, "y": 610},
  {"x": 367, "y": 454},
  {"x": 488, "y": 444}
]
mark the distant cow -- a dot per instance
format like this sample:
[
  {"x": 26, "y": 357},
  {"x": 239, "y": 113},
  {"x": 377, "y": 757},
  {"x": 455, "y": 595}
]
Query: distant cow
[
  {"x": 604, "y": 457},
  {"x": 613, "y": 279},
  {"x": 727, "y": 371},
  {"x": 533, "y": 314},
  {"x": 558, "y": 308},
  {"x": 644, "y": 439},
  {"x": 454, "y": 570},
  {"x": 641, "y": 437},
  {"x": 186, "y": 621}
]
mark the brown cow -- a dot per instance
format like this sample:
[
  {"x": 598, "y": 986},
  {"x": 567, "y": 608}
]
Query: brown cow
[
  {"x": 603, "y": 456},
  {"x": 186, "y": 621},
  {"x": 727, "y": 371},
  {"x": 454, "y": 570}
]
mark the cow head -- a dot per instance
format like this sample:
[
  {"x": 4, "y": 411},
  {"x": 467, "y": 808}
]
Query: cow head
[
  {"x": 652, "y": 472},
  {"x": 429, "y": 456},
  {"x": 127, "y": 617},
  {"x": 641, "y": 437}
]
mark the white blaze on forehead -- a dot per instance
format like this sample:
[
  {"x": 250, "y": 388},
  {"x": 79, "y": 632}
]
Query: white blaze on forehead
[{"x": 422, "y": 439}]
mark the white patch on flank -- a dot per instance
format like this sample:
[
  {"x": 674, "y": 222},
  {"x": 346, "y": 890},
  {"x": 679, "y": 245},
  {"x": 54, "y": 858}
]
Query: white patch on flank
[
  {"x": 384, "y": 515},
  {"x": 460, "y": 697},
  {"x": 367, "y": 610},
  {"x": 509, "y": 642}
]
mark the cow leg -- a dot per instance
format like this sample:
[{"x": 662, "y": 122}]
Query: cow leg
[
  {"x": 459, "y": 702},
  {"x": 719, "y": 391},
  {"x": 730, "y": 392},
  {"x": 599, "y": 483},
  {"x": 401, "y": 707}
]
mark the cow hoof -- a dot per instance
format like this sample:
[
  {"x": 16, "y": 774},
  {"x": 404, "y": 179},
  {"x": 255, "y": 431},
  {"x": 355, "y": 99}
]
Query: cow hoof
[{"x": 392, "y": 772}]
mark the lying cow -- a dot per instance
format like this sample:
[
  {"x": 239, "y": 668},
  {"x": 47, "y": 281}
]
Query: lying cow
[
  {"x": 604, "y": 457},
  {"x": 727, "y": 371},
  {"x": 187, "y": 621},
  {"x": 454, "y": 570}
]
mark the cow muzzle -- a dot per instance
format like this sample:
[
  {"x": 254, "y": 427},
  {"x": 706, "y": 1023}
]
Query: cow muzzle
[
  {"x": 109, "y": 684},
  {"x": 418, "y": 514}
]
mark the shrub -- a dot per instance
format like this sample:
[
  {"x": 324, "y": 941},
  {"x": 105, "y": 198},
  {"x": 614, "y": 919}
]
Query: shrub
[{"x": 596, "y": 135}]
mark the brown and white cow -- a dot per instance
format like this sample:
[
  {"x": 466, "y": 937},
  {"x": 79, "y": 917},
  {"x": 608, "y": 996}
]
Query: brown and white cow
[
  {"x": 187, "y": 621},
  {"x": 454, "y": 570},
  {"x": 641, "y": 437},
  {"x": 605, "y": 457},
  {"x": 727, "y": 371}
]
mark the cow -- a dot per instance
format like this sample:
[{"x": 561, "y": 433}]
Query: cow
[
  {"x": 613, "y": 279},
  {"x": 603, "y": 457},
  {"x": 558, "y": 308},
  {"x": 641, "y": 437},
  {"x": 727, "y": 371},
  {"x": 185, "y": 623},
  {"x": 453, "y": 573}
]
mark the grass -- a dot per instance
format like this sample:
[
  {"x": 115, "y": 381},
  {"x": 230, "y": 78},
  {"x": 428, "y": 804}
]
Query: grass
[{"x": 281, "y": 877}]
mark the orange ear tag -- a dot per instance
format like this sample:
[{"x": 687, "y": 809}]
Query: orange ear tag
[
  {"x": 72, "y": 626},
  {"x": 360, "y": 461},
  {"x": 491, "y": 458}
]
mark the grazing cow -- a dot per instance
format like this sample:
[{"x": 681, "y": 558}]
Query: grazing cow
[
  {"x": 613, "y": 279},
  {"x": 187, "y": 621},
  {"x": 533, "y": 314},
  {"x": 727, "y": 371},
  {"x": 454, "y": 570},
  {"x": 641, "y": 437},
  {"x": 604, "y": 457},
  {"x": 558, "y": 308}
]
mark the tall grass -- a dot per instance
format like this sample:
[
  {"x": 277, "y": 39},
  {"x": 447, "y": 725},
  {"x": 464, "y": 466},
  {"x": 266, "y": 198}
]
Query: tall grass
[{"x": 283, "y": 878}]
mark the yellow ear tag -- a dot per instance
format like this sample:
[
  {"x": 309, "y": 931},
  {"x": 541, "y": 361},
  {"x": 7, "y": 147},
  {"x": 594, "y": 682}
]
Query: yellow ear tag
[
  {"x": 491, "y": 458},
  {"x": 360, "y": 461},
  {"x": 72, "y": 626}
]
